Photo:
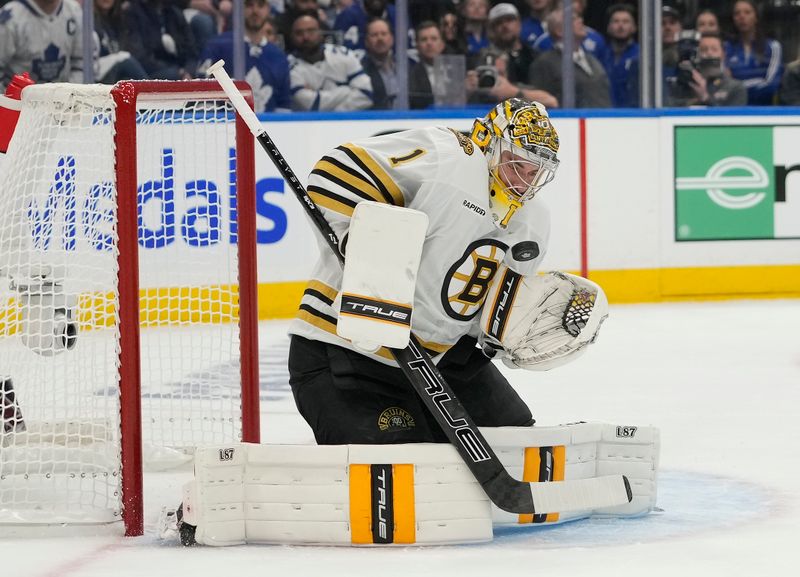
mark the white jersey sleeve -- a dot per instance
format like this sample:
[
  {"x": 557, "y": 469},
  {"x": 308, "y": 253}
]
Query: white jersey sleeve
[
  {"x": 48, "y": 46},
  {"x": 335, "y": 83}
]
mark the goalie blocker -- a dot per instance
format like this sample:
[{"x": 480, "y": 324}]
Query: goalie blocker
[{"x": 406, "y": 494}]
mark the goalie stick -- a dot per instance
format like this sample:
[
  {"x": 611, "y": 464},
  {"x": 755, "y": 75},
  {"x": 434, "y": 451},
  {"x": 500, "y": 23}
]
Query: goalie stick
[{"x": 503, "y": 490}]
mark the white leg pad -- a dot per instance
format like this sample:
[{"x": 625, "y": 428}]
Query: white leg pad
[
  {"x": 402, "y": 494},
  {"x": 579, "y": 451}
]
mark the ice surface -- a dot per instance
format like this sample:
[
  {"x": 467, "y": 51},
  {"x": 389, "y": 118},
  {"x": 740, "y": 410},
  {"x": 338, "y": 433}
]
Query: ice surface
[{"x": 721, "y": 380}]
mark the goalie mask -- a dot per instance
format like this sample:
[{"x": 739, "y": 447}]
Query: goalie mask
[
  {"x": 539, "y": 322},
  {"x": 521, "y": 148}
]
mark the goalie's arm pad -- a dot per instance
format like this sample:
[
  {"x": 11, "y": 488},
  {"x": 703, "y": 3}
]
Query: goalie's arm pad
[
  {"x": 538, "y": 322},
  {"x": 384, "y": 249}
]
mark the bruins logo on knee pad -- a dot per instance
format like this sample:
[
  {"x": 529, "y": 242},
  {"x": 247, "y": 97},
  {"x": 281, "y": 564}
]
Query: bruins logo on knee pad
[{"x": 395, "y": 418}]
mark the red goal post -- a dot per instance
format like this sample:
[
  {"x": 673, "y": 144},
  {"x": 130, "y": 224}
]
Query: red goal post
[{"x": 158, "y": 279}]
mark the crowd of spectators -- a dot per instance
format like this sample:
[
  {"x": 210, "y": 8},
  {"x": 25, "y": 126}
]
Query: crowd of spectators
[{"x": 337, "y": 55}]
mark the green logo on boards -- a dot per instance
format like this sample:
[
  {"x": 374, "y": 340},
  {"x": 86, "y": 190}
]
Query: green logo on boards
[{"x": 731, "y": 182}]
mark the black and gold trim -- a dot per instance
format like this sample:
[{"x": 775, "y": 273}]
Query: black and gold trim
[
  {"x": 543, "y": 465},
  {"x": 388, "y": 187},
  {"x": 375, "y": 309},
  {"x": 501, "y": 306},
  {"x": 382, "y": 506},
  {"x": 325, "y": 322},
  {"x": 348, "y": 178},
  {"x": 331, "y": 200}
]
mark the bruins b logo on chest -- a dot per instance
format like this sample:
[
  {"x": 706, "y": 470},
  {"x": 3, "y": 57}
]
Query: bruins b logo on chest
[{"x": 468, "y": 280}]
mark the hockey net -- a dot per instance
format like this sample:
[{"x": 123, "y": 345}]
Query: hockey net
[{"x": 127, "y": 294}]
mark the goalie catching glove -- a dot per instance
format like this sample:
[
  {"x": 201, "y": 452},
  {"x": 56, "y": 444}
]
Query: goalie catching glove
[{"x": 539, "y": 322}]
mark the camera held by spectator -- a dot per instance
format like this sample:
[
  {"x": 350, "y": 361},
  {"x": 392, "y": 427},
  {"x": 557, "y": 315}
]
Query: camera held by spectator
[
  {"x": 688, "y": 42},
  {"x": 487, "y": 72},
  {"x": 709, "y": 83}
]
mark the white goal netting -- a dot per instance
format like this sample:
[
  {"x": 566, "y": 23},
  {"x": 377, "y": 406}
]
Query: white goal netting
[{"x": 60, "y": 273}]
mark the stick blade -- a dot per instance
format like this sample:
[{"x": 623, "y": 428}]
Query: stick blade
[{"x": 581, "y": 494}]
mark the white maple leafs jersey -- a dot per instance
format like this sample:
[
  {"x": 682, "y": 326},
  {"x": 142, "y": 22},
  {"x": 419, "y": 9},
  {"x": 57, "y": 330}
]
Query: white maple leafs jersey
[
  {"x": 337, "y": 82},
  {"x": 48, "y": 46},
  {"x": 440, "y": 172}
]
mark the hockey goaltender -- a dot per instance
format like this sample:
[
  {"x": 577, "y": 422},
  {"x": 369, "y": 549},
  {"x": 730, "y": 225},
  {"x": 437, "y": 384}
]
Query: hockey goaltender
[{"x": 449, "y": 230}]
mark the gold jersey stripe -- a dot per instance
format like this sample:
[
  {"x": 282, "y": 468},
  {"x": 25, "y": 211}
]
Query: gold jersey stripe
[
  {"x": 405, "y": 522},
  {"x": 317, "y": 319},
  {"x": 360, "y": 504},
  {"x": 321, "y": 287},
  {"x": 328, "y": 324},
  {"x": 354, "y": 183},
  {"x": 378, "y": 174},
  {"x": 331, "y": 201}
]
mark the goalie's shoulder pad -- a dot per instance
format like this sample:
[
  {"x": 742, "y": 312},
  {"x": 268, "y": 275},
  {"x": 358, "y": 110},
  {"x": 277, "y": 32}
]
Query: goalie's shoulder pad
[{"x": 539, "y": 322}]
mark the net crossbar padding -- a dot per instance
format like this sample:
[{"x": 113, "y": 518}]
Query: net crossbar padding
[{"x": 127, "y": 293}]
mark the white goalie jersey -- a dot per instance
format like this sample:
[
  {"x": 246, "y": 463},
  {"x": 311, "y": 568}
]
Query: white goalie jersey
[{"x": 440, "y": 172}]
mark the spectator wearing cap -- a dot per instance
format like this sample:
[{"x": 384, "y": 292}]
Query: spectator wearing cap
[
  {"x": 504, "y": 35},
  {"x": 622, "y": 61},
  {"x": 591, "y": 81},
  {"x": 593, "y": 42},
  {"x": 532, "y": 23},
  {"x": 671, "y": 28}
]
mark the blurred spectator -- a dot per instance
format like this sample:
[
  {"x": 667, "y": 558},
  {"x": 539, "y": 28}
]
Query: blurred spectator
[
  {"x": 159, "y": 37},
  {"x": 591, "y": 81},
  {"x": 504, "y": 34},
  {"x": 533, "y": 22},
  {"x": 378, "y": 63},
  {"x": 42, "y": 37},
  {"x": 295, "y": 9},
  {"x": 271, "y": 33},
  {"x": 706, "y": 22},
  {"x": 475, "y": 14},
  {"x": 421, "y": 76},
  {"x": 710, "y": 83},
  {"x": 324, "y": 76},
  {"x": 671, "y": 29},
  {"x": 622, "y": 62},
  {"x": 424, "y": 10},
  {"x": 113, "y": 64},
  {"x": 592, "y": 42},
  {"x": 790, "y": 87},
  {"x": 266, "y": 66},
  {"x": 753, "y": 58},
  {"x": 489, "y": 84},
  {"x": 204, "y": 19},
  {"x": 352, "y": 23},
  {"x": 455, "y": 39}
]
